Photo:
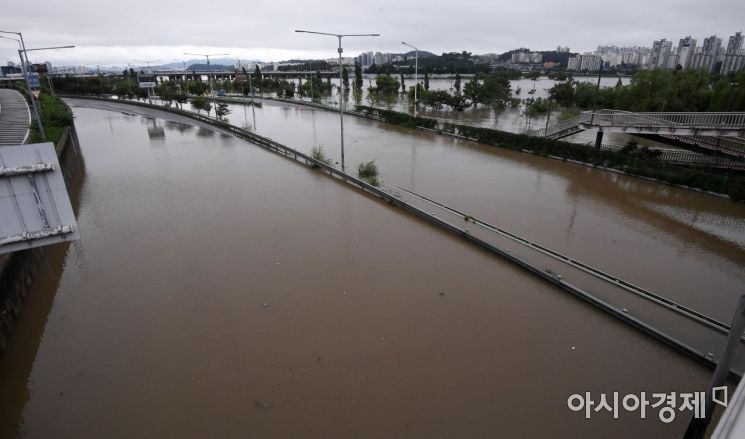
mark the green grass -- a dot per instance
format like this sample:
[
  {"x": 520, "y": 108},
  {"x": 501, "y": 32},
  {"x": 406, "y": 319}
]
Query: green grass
[{"x": 55, "y": 116}]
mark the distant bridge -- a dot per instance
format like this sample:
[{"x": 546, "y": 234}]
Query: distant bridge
[
  {"x": 715, "y": 131},
  {"x": 231, "y": 75}
]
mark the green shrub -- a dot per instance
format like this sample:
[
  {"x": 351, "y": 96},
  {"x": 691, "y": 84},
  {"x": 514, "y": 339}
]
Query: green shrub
[
  {"x": 318, "y": 153},
  {"x": 368, "y": 171}
]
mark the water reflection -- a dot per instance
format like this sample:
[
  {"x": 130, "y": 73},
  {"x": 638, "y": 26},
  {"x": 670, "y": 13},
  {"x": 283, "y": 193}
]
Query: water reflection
[
  {"x": 156, "y": 131},
  {"x": 205, "y": 132},
  {"x": 178, "y": 126}
]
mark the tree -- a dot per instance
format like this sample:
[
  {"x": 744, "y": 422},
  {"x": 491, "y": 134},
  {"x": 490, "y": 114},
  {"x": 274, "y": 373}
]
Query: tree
[
  {"x": 457, "y": 101},
  {"x": 403, "y": 84},
  {"x": 385, "y": 85},
  {"x": 200, "y": 103},
  {"x": 426, "y": 80},
  {"x": 345, "y": 78},
  {"x": 357, "y": 76},
  {"x": 221, "y": 111},
  {"x": 457, "y": 82}
]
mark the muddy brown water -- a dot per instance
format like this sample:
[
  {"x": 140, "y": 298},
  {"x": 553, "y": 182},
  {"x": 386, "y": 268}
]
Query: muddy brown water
[
  {"x": 219, "y": 290},
  {"x": 686, "y": 246}
]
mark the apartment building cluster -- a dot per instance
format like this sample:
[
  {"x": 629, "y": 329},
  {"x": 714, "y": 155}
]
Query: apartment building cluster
[
  {"x": 711, "y": 55},
  {"x": 526, "y": 58},
  {"x": 366, "y": 59}
]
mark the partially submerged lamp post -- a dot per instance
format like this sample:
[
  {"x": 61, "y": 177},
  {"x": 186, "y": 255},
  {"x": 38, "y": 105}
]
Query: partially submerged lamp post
[
  {"x": 416, "y": 73},
  {"x": 341, "y": 87}
]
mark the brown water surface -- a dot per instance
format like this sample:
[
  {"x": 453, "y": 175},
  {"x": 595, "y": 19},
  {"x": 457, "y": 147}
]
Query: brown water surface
[{"x": 219, "y": 290}]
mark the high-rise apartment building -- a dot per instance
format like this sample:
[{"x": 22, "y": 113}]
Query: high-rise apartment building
[
  {"x": 734, "y": 57},
  {"x": 686, "y": 50}
]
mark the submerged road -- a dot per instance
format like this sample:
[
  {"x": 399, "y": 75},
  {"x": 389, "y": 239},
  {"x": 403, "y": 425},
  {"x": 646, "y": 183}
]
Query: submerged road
[
  {"x": 687, "y": 246},
  {"x": 219, "y": 290}
]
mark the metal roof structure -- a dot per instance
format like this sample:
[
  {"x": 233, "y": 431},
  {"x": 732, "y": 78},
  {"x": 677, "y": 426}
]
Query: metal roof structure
[
  {"x": 15, "y": 118},
  {"x": 732, "y": 423},
  {"x": 35, "y": 208}
]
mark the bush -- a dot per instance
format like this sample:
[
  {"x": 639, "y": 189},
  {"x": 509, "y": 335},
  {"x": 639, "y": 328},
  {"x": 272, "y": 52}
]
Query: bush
[
  {"x": 368, "y": 171},
  {"x": 318, "y": 153}
]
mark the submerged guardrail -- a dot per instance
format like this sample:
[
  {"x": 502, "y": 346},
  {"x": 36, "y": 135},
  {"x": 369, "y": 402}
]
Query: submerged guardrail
[{"x": 550, "y": 277}]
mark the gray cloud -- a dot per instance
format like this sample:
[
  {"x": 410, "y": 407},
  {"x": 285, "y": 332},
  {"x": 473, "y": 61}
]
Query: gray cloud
[{"x": 107, "y": 33}]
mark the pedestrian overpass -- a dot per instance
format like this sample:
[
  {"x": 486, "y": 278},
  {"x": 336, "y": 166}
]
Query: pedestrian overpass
[{"x": 715, "y": 131}]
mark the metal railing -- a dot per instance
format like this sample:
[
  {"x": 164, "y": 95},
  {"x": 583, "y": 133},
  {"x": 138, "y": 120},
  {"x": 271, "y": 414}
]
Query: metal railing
[
  {"x": 560, "y": 127},
  {"x": 701, "y": 120},
  {"x": 728, "y": 145}
]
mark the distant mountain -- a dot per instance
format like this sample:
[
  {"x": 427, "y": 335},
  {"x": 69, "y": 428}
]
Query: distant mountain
[
  {"x": 422, "y": 53},
  {"x": 211, "y": 67}
]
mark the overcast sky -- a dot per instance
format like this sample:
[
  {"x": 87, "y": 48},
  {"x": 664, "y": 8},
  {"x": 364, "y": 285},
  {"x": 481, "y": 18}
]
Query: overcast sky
[{"x": 119, "y": 32}]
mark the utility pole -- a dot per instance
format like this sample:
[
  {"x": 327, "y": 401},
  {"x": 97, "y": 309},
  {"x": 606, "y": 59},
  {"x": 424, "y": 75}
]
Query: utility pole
[
  {"x": 416, "y": 73},
  {"x": 23, "y": 55},
  {"x": 341, "y": 86}
]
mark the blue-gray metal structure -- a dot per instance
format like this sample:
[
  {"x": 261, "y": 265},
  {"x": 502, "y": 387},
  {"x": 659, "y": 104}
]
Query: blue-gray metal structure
[{"x": 35, "y": 209}]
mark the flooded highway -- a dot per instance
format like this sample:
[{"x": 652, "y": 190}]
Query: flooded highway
[
  {"x": 686, "y": 246},
  {"x": 219, "y": 290}
]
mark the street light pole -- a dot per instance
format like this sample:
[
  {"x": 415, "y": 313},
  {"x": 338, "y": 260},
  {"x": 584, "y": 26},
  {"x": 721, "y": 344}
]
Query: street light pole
[
  {"x": 416, "y": 73},
  {"x": 341, "y": 86},
  {"x": 21, "y": 53},
  {"x": 214, "y": 103}
]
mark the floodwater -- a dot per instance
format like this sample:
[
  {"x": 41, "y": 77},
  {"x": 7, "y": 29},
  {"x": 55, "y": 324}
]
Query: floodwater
[
  {"x": 684, "y": 245},
  {"x": 511, "y": 119},
  {"x": 219, "y": 290}
]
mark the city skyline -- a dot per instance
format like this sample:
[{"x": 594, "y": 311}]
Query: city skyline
[{"x": 102, "y": 37}]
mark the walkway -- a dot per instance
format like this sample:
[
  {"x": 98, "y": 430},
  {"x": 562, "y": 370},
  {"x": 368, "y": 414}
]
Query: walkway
[
  {"x": 15, "y": 118},
  {"x": 719, "y": 132}
]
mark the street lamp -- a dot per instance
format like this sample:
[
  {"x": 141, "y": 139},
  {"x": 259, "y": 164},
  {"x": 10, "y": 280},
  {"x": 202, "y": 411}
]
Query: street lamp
[
  {"x": 341, "y": 87},
  {"x": 416, "y": 72},
  {"x": 22, "y": 54},
  {"x": 51, "y": 88},
  {"x": 214, "y": 104}
]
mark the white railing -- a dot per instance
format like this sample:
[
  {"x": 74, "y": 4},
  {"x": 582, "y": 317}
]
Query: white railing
[
  {"x": 705, "y": 120},
  {"x": 559, "y": 127}
]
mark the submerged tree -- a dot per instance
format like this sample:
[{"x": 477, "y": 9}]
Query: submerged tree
[{"x": 345, "y": 78}]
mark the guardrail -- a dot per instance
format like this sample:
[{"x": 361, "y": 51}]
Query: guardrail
[{"x": 552, "y": 278}]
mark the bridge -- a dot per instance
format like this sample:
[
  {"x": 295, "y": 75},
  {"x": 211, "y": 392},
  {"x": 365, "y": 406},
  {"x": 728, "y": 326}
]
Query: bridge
[
  {"x": 715, "y": 131},
  {"x": 231, "y": 75}
]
